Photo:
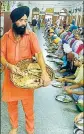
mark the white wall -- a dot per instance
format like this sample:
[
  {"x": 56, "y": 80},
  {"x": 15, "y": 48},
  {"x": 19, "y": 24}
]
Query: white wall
[
  {"x": 57, "y": 7},
  {"x": 43, "y": 8}
]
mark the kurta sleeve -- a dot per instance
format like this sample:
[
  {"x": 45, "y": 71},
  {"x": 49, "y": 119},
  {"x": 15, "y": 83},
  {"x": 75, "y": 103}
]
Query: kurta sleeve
[
  {"x": 35, "y": 47},
  {"x": 3, "y": 45}
]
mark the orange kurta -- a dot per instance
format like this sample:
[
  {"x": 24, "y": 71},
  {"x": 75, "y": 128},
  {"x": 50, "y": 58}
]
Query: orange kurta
[{"x": 14, "y": 51}]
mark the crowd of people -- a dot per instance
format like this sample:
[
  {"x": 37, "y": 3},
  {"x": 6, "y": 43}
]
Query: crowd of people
[{"x": 67, "y": 44}]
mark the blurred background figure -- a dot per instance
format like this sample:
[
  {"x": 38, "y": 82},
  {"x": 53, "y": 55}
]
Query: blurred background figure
[
  {"x": 34, "y": 23},
  {"x": 38, "y": 23}
]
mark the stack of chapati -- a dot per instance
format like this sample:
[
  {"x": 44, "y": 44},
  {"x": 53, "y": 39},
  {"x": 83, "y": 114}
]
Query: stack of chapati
[{"x": 32, "y": 75}]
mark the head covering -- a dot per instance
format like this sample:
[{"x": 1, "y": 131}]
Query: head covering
[
  {"x": 73, "y": 27},
  {"x": 64, "y": 41},
  {"x": 73, "y": 22},
  {"x": 53, "y": 37},
  {"x": 51, "y": 31},
  {"x": 67, "y": 48},
  {"x": 57, "y": 40},
  {"x": 19, "y": 12}
]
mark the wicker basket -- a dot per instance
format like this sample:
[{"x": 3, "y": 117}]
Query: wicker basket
[{"x": 32, "y": 76}]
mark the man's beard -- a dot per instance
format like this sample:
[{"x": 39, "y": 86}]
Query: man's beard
[{"x": 19, "y": 30}]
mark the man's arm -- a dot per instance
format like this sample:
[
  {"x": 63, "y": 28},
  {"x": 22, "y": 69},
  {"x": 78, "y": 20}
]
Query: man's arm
[
  {"x": 37, "y": 52},
  {"x": 69, "y": 80},
  {"x": 13, "y": 68},
  {"x": 78, "y": 92},
  {"x": 71, "y": 77},
  {"x": 41, "y": 62},
  {"x": 74, "y": 86},
  {"x": 4, "y": 62},
  {"x": 69, "y": 90}
]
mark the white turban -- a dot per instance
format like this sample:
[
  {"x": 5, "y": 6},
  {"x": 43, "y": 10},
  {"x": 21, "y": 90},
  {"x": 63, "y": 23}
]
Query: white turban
[{"x": 67, "y": 48}]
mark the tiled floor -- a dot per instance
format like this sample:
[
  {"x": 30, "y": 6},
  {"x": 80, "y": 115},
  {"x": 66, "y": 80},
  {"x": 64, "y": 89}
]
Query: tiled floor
[{"x": 51, "y": 117}]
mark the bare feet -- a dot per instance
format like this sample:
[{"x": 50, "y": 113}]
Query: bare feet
[{"x": 13, "y": 131}]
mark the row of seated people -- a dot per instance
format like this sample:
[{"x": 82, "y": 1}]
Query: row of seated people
[{"x": 69, "y": 47}]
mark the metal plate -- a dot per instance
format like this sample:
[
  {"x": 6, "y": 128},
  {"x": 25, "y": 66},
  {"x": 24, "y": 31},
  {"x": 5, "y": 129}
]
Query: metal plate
[
  {"x": 80, "y": 124},
  {"x": 63, "y": 98}
]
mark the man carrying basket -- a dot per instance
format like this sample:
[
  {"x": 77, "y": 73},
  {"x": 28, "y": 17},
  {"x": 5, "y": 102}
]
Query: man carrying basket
[{"x": 16, "y": 45}]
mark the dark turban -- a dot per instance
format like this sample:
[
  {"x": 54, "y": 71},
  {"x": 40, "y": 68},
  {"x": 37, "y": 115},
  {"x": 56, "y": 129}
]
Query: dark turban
[
  {"x": 19, "y": 12},
  {"x": 64, "y": 41}
]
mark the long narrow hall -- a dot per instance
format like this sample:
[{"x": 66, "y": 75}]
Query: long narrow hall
[{"x": 41, "y": 68}]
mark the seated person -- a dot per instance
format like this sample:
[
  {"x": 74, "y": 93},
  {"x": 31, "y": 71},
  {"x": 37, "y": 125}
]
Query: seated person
[
  {"x": 57, "y": 30},
  {"x": 78, "y": 83},
  {"x": 78, "y": 76},
  {"x": 76, "y": 44},
  {"x": 61, "y": 31},
  {"x": 74, "y": 38},
  {"x": 54, "y": 38},
  {"x": 76, "y": 89},
  {"x": 69, "y": 67},
  {"x": 68, "y": 35},
  {"x": 77, "y": 94},
  {"x": 63, "y": 34},
  {"x": 59, "y": 52},
  {"x": 73, "y": 26}
]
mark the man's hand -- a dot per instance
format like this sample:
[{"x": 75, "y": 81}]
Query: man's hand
[
  {"x": 69, "y": 91},
  {"x": 45, "y": 79},
  {"x": 14, "y": 69}
]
